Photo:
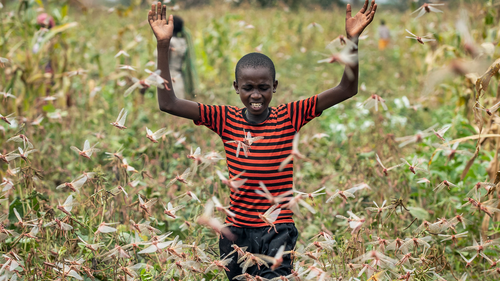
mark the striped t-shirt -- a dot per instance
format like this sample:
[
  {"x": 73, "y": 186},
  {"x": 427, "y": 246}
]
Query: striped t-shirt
[{"x": 264, "y": 156}]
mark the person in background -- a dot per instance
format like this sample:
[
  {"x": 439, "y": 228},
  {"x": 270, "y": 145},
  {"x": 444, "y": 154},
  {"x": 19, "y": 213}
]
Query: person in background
[
  {"x": 181, "y": 60},
  {"x": 384, "y": 36},
  {"x": 45, "y": 22}
]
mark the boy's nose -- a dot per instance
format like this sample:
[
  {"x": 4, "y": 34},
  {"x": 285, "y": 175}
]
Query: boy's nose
[{"x": 255, "y": 94}]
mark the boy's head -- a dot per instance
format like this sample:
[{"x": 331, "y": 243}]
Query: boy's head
[
  {"x": 255, "y": 82},
  {"x": 255, "y": 60}
]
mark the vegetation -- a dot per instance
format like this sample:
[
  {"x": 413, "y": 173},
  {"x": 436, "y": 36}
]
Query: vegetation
[{"x": 425, "y": 87}]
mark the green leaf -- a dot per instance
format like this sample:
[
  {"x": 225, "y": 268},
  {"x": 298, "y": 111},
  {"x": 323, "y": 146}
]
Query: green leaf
[
  {"x": 19, "y": 207},
  {"x": 489, "y": 18},
  {"x": 419, "y": 213},
  {"x": 49, "y": 108},
  {"x": 57, "y": 29},
  {"x": 64, "y": 11}
]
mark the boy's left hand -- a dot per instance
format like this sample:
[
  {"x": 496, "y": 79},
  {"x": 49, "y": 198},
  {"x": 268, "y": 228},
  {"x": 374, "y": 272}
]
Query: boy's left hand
[{"x": 354, "y": 26}]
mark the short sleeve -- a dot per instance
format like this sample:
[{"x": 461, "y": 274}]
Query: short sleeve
[
  {"x": 212, "y": 116},
  {"x": 302, "y": 111}
]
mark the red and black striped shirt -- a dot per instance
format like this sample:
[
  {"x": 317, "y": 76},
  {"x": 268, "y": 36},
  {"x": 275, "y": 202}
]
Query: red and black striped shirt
[{"x": 264, "y": 156}]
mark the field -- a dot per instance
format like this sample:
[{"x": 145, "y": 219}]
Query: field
[{"x": 66, "y": 216}]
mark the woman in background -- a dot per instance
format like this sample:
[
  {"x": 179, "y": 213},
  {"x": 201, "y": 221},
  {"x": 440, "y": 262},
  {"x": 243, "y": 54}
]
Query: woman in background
[{"x": 181, "y": 60}]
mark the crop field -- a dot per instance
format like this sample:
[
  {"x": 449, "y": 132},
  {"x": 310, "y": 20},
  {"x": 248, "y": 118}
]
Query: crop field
[{"x": 82, "y": 199}]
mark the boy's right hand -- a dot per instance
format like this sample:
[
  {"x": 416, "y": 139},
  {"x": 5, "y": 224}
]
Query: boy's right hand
[{"x": 162, "y": 29}]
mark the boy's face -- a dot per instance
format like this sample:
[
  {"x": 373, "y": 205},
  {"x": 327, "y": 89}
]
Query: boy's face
[{"x": 255, "y": 87}]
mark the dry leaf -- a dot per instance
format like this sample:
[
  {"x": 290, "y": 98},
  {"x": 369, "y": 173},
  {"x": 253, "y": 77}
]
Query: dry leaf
[{"x": 483, "y": 81}]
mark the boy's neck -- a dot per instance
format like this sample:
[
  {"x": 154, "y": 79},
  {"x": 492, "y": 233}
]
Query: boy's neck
[{"x": 256, "y": 119}]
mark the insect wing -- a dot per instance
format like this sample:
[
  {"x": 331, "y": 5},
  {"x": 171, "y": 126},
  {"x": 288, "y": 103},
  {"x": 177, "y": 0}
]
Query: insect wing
[
  {"x": 49, "y": 224},
  {"x": 495, "y": 107},
  {"x": 435, "y": 10},
  {"x": 66, "y": 227},
  {"x": 75, "y": 275},
  {"x": 68, "y": 204},
  {"x": 445, "y": 128},
  {"x": 186, "y": 173},
  {"x": 439, "y": 187},
  {"x": 295, "y": 144},
  {"x": 151, "y": 202},
  {"x": 123, "y": 115},
  {"x": 422, "y": 12},
  {"x": 379, "y": 161},
  {"x": 221, "y": 176},
  {"x": 148, "y": 250},
  {"x": 346, "y": 57},
  {"x": 197, "y": 151},
  {"x": 78, "y": 183},
  {"x": 353, "y": 215},
  {"x": 394, "y": 167},
  {"x": 17, "y": 215},
  {"x": 238, "y": 183},
  {"x": 75, "y": 149},
  {"x": 13, "y": 265},
  {"x": 245, "y": 149},
  {"x": 86, "y": 145},
  {"x": 171, "y": 182},
  {"x": 369, "y": 103},
  {"x": 34, "y": 231},
  {"x": 263, "y": 186},
  {"x": 131, "y": 89},
  {"x": 160, "y": 133},
  {"x": 238, "y": 149},
  {"x": 285, "y": 162},
  {"x": 106, "y": 229},
  {"x": 382, "y": 102},
  {"x": 307, "y": 206},
  {"x": 122, "y": 52},
  {"x": 216, "y": 201},
  {"x": 274, "y": 215}
]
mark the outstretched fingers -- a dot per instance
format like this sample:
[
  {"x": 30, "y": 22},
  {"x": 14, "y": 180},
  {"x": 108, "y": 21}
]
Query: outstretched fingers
[
  {"x": 170, "y": 20},
  {"x": 152, "y": 13},
  {"x": 363, "y": 10},
  {"x": 348, "y": 11},
  {"x": 164, "y": 13},
  {"x": 371, "y": 7},
  {"x": 372, "y": 14},
  {"x": 158, "y": 11}
]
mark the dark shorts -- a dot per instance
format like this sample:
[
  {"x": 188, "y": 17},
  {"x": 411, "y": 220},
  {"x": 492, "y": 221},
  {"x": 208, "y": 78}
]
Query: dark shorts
[{"x": 259, "y": 241}]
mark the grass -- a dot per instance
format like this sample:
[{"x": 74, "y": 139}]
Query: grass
[{"x": 343, "y": 159}]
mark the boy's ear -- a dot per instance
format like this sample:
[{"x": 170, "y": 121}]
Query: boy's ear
[
  {"x": 235, "y": 86},
  {"x": 275, "y": 86}
]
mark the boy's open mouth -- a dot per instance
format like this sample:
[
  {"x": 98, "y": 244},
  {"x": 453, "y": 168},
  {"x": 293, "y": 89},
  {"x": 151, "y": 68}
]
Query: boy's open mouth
[{"x": 256, "y": 105}]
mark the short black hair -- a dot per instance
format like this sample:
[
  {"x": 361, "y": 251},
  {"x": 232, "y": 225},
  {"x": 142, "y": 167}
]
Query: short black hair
[
  {"x": 255, "y": 60},
  {"x": 382, "y": 22},
  {"x": 178, "y": 25}
]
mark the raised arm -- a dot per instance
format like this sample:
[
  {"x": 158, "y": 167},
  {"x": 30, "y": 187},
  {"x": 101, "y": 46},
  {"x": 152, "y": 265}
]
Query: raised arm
[
  {"x": 163, "y": 31},
  {"x": 348, "y": 86}
]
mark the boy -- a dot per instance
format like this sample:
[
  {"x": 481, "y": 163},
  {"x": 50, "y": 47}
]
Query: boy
[
  {"x": 384, "y": 36},
  {"x": 259, "y": 160}
]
